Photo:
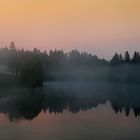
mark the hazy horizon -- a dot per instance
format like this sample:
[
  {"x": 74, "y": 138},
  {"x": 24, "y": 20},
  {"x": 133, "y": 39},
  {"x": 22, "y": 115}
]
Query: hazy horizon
[
  {"x": 70, "y": 95},
  {"x": 98, "y": 27},
  {"x": 96, "y": 52}
]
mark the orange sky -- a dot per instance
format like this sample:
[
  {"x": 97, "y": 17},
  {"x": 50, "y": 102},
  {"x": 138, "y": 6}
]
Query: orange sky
[{"x": 97, "y": 26}]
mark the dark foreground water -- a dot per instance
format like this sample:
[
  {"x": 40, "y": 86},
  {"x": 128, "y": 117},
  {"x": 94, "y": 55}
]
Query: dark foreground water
[{"x": 71, "y": 111}]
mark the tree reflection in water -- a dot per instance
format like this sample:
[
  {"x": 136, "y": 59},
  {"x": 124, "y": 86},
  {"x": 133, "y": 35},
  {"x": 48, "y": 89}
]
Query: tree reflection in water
[{"x": 26, "y": 104}]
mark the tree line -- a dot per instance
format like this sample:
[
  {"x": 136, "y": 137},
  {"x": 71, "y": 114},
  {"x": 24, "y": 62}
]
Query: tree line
[
  {"x": 32, "y": 67},
  {"x": 119, "y": 59}
]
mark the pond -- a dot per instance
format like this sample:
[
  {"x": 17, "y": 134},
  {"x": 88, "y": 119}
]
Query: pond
[{"x": 71, "y": 111}]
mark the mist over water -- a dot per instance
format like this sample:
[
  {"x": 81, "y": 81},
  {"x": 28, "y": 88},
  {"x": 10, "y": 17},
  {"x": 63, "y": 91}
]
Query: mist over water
[{"x": 71, "y": 110}]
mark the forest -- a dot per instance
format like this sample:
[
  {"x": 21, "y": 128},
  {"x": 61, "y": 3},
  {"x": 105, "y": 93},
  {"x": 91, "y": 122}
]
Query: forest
[{"x": 32, "y": 68}]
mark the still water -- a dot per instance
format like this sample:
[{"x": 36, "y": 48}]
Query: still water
[{"x": 71, "y": 111}]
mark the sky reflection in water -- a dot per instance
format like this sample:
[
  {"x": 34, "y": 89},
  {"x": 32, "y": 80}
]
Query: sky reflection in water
[{"x": 71, "y": 112}]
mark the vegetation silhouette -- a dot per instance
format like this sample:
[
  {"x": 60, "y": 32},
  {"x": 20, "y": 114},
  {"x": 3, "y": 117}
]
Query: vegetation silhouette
[
  {"x": 32, "y": 67},
  {"x": 24, "y": 66}
]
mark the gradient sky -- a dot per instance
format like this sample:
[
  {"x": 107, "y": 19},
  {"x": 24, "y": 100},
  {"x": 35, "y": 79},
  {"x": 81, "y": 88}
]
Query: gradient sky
[{"x": 100, "y": 27}]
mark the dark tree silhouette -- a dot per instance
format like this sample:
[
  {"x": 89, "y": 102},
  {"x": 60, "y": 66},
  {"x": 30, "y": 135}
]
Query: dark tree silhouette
[
  {"x": 116, "y": 59},
  {"x": 12, "y": 46},
  {"x": 127, "y": 57},
  {"x": 136, "y": 57},
  {"x": 31, "y": 72},
  {"x": 121, "y": 58},
  {"x": 26, "y": 66}
]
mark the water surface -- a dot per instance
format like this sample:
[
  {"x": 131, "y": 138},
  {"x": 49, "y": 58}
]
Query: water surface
[{"x": 70, "y": 111}]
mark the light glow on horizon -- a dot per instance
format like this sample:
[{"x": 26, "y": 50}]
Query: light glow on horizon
[{"x": 99, "y": 27}]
